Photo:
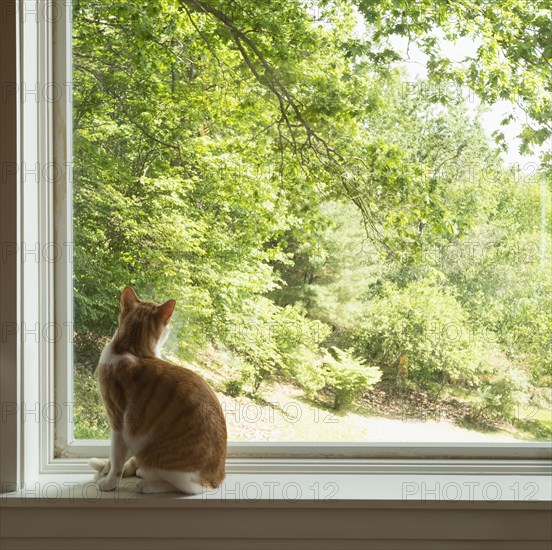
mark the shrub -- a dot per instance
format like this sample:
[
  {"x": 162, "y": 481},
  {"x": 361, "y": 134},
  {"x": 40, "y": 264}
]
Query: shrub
[
  {"x": 276, "y": 341},
  {"x": 420, "y": 334},
  {"x": 504, "y": 393},
  {"x": 234, "y": 387},
  {"x": 298, "y": 341},
  {"x": 347, "y": 376}
]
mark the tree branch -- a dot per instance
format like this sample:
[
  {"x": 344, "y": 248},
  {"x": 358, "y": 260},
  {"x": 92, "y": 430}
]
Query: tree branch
[{"x": 328, "y": 157}]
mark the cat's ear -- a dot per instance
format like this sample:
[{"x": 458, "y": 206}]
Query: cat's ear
[
  {"x": 165, "y": 311},
  {"x": 128, "y": 299}
]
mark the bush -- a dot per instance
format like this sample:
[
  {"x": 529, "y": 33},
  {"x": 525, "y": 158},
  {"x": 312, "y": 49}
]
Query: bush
[
  {"x": 298, "y": 341},
  {"x": 275, "y": 341},
  {"x": 504, "y": 393},
  {"x": 234, "y": 387},
  {"x": 347, "y": 376},
  {"x": 419, "y": 334}
]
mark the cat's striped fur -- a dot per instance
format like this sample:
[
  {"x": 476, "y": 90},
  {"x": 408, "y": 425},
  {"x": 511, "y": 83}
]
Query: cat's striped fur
[{"x": 165, "y": 415}]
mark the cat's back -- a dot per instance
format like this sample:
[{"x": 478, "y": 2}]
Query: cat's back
[
  {"x": 152, "y": 379},
  {"x": 154, "y": 390},
  {"x": 181, "y": 381}
]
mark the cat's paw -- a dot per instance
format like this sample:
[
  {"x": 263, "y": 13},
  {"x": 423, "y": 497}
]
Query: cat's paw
[
  {"x": 101, "y": 465},
  {"x": 97, "y": 464},
  {"x": 107, "y": 484},
  {"x": 97, "y": 477},
  {"x": 131, "y": 468},
  {"x": 140, "y": 473},
  {"x": 145, "y": 487}
]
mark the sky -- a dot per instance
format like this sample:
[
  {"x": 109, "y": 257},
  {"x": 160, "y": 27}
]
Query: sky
[{"x": 490, "y": 119}]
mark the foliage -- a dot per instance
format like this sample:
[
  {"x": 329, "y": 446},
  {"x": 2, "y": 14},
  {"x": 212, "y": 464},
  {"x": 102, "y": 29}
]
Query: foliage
[
  {"x": 270, "y": 166},
  {"x": 347, "y": 376},
  {"x": 275, "y": 342},
  {"x": 503, "y": 275},
  {"x": 234, "y": 387},
  {"x": 504, "y": 395},
  {"x": 512, "y": 59},
  {"x": 89, "y": 415},
  {"x": 420, "y": 334}
]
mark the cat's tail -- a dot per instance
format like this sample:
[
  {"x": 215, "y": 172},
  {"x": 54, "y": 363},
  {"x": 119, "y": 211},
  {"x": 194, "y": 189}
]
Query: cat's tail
[{"x": 101, "y": 467}]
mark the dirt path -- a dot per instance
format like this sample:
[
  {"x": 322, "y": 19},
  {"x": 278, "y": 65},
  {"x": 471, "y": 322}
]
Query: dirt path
[
  {"x": 429, "y": 431},
  {"x": 289, "y": 419}
]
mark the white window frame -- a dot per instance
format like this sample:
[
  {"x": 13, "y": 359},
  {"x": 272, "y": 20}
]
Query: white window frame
[{"x": 43, "y": 369}]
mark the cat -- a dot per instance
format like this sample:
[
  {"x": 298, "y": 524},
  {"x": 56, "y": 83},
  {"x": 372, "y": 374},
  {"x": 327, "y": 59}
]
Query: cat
[{"x": 166, "y": 416}]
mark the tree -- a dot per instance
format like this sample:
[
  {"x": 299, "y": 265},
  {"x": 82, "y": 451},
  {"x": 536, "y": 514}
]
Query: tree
[{"x": 267, "y": 165}]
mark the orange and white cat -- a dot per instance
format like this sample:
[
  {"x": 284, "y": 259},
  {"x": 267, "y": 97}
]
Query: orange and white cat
[{"x": 166, "y": 416}]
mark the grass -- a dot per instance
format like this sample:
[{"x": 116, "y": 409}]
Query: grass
[{"x": 534, "y": 422}]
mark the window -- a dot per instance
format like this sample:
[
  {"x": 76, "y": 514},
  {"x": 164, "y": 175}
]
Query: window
[
  {"x": 133, "y": 168},
  {"x": 313, "y": 315}
]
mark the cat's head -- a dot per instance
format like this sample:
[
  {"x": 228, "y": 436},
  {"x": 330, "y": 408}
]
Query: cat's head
[{"x": 143, "y": 326}]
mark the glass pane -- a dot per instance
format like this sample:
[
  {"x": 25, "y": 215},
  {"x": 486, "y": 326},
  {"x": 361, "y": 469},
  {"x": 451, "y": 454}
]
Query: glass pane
[{"x": 357, "y": 249}]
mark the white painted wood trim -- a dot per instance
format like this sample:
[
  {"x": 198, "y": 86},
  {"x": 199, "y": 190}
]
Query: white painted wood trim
[
  {"x": 282, "y": 511},
  {"x": 161, "y": 523},
  {"x": 45, "y": 59},
  {"x": 62, "y": 207},
  {"x": 393, "y": 459},
  {"x": 34, "y": 188},
  {"x": 466, "y": 490}
]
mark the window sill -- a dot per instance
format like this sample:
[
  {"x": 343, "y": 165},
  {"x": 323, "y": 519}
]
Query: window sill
[
  {"x": 286, "y": 510},
  {"x": 324, "y": 490}
]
